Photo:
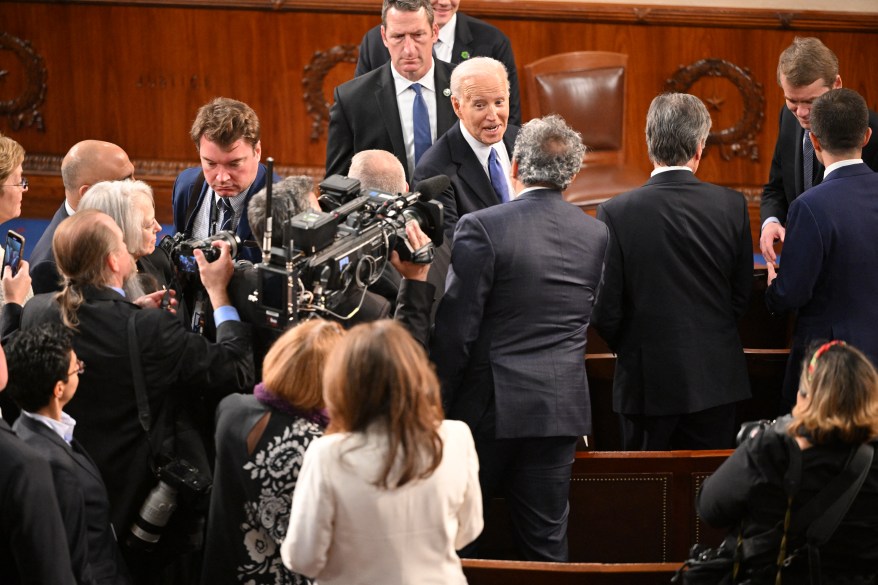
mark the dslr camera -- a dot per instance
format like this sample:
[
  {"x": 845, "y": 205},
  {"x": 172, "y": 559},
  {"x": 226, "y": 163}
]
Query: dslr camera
[
  {"x": 182, "y": 250},
  {"x": 178, "y": 479}
]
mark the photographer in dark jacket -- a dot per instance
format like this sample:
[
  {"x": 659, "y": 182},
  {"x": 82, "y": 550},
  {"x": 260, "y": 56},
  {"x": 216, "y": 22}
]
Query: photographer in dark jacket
[
  {"x": 836, "y": 411},
  {"x": 92, "y": 257}
]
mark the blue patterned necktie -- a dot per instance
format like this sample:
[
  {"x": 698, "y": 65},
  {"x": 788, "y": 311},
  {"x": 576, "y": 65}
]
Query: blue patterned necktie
[
  {"x": 498, "y": 177},
  {"x": 421, "y": 120},
  {"x": 228, "y": 214},
  {"x": 808, "y": 161}
]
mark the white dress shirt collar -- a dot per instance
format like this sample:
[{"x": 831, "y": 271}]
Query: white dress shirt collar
[
  {"x": 483, "y": 151},
  {"x": 841, "y": 163},
  {"x": 63, "y": 428},
  {"x": 445, "y": 44},
  {"x": 659, "y": 170}
]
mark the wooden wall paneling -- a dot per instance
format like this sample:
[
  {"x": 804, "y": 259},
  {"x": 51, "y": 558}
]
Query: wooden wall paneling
[{"x": 135, "y": 73}]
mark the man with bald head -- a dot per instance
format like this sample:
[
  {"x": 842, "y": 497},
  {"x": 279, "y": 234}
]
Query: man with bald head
[
  {"x": 87, "y": 163},
  {"x": 475, "y": 152}
]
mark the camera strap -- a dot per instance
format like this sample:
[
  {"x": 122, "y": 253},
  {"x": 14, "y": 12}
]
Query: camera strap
[{"x": 143, "y": 413}]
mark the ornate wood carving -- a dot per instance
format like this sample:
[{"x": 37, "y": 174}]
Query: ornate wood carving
[
  {"x": 22, "y": 109},
  {"x": 315, "y": 72},
  {"x": 740, "y": 139}
]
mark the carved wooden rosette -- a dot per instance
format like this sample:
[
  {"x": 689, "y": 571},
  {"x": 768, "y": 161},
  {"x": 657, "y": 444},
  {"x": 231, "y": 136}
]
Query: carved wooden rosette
[
  {"x": 22, "y": 109},
  {"x": 315, "y": 72},
  {"x": 740, "y": 139}
]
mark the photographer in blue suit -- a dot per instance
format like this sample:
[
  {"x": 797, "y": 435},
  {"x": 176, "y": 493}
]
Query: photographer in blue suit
[{"x": 214, "y": 196}]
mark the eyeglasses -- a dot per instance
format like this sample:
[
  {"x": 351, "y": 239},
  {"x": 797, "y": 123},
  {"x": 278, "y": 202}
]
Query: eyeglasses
[
  {"x": 23, "y": 184},
  {"x": 80, "y": 368}
]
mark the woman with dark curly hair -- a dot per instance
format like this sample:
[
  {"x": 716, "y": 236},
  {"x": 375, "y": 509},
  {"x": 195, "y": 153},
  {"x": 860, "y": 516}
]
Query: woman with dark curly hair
[
  {"x": 393, "y": 490},
  {"x": 836, "y": 412}
]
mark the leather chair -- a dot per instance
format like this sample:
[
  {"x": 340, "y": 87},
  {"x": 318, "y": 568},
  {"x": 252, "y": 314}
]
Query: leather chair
[{"x": 587, "y": 88}]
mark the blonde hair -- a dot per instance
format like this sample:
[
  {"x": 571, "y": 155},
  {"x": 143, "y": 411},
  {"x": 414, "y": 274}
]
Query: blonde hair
[
  {"x": 11, "y": 155},
  {"x": 843, "y": 388},
  {"x": 380, "y": 374},
  {"x": 293, "y": 368}
]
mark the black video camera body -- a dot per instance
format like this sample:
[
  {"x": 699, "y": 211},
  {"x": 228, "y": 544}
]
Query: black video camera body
[{"x": 182, "y": 250}]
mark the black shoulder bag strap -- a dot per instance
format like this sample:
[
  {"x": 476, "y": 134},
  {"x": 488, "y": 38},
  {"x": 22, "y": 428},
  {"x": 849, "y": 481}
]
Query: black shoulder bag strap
[
  {"x": 143, "y": 413},
  {"x": 822, "y": 515}
]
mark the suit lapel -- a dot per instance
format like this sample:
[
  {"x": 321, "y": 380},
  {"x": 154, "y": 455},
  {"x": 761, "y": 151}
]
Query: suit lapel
[
  {"x": 445, "y": 117},
  {"x": 463, "y": 36},
  {"x": 81, "y": 458},
  {"x": 385, "y": 98}
]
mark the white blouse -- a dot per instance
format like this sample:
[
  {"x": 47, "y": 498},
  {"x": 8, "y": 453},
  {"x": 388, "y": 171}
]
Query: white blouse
[{"x": 346, "y": 530}]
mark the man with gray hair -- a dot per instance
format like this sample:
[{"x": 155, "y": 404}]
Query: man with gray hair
[
  {"x": 475, "y": 152},
  {"x": 378, "y": 169},
  {"x": 678, "y": 277},
  {"x": 510, "y": 335}
]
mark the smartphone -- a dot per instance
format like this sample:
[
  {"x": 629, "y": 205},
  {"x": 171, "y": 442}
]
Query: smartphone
[{"x": 14, "y": 249}]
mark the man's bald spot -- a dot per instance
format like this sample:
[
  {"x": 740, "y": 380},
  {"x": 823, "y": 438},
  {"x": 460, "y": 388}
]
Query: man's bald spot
[
  {"x": 92, "y": 161},
  {"x": 378, "y": 169}
]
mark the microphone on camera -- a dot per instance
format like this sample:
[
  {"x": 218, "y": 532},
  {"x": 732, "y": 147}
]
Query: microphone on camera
[{"x": 428, "y": 189}]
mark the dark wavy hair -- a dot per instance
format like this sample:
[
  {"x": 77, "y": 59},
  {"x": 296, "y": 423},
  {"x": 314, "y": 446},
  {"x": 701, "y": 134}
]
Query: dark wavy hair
[{"x": 37, "y": 359}]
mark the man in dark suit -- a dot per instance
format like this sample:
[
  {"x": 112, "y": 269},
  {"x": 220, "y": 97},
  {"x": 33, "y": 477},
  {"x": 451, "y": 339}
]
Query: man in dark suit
[
  {"x": 461, "y": 37},
  {"x": 175, "y": 365},
  {"x": 32, "y": 544},
  {"x": 86, "y": 163},
  {"x": 510, "y": 335},
  {"x": 678, "y": 277},
  {"x": 402, "y": 106},
  {"x": 43, "y": 376},
  {"x": 214, "y": 196},
  {"x": 806, "y": 70},
  {"x": 830, "y": 267},
  {"x": 475, "y": 153}
]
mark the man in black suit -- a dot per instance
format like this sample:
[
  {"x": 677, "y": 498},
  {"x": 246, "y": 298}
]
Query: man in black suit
[
  {"x": 175, "y": 365},
  {"x": 678, "y": 277},
  {"x": 86, "y": 163},
  {"x": 510, "y": 335},
  {"x": 43, "y": 376},
  {"x": 461, "y": 37},
  {"x": 402, "y": 106},
  {"x": 475, "y": 153},
  {"x": 806, "y": 70},
  {"x": 32, "y": 544}
]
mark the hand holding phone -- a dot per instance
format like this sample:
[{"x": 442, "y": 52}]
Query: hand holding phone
[{"x": 14, "y": 249}]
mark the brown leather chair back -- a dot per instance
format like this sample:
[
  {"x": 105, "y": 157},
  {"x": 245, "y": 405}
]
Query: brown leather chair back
[{"x": 587, "y": 88}]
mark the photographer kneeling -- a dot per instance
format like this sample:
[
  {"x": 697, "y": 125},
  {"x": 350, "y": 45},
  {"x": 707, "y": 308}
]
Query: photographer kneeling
[{"x": 141, "y": 364}]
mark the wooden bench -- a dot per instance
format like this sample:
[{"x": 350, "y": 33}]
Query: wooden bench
[
  {"x": 625, "y": 507},
  {"x": 487, "y": 572}
]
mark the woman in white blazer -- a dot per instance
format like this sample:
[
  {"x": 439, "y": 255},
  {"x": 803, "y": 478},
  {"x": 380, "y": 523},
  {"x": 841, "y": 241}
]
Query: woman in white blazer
[{"x": 392, "y": 490}]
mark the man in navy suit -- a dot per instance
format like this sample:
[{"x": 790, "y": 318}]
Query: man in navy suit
[
  {"x": 475, "y": 153},
  {"x": 829, "y": 271},
  {"x": 806, "y": 70},
  {"x": 678, "y": 278},
  {"x": 43, "y": 376},
  {"x": 461, "y": 37},
  {"x": 510, "y": 335},
  {"x": 86, "y": 163},
  {"x": 214, "y": 196},
  {"x": 401, "y": 107}
]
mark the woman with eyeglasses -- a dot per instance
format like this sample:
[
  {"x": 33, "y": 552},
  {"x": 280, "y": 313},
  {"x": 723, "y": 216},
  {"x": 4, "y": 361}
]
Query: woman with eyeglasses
[
  {"x": 15, "y": 289},
  {"x": 836, "y": 412}
]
